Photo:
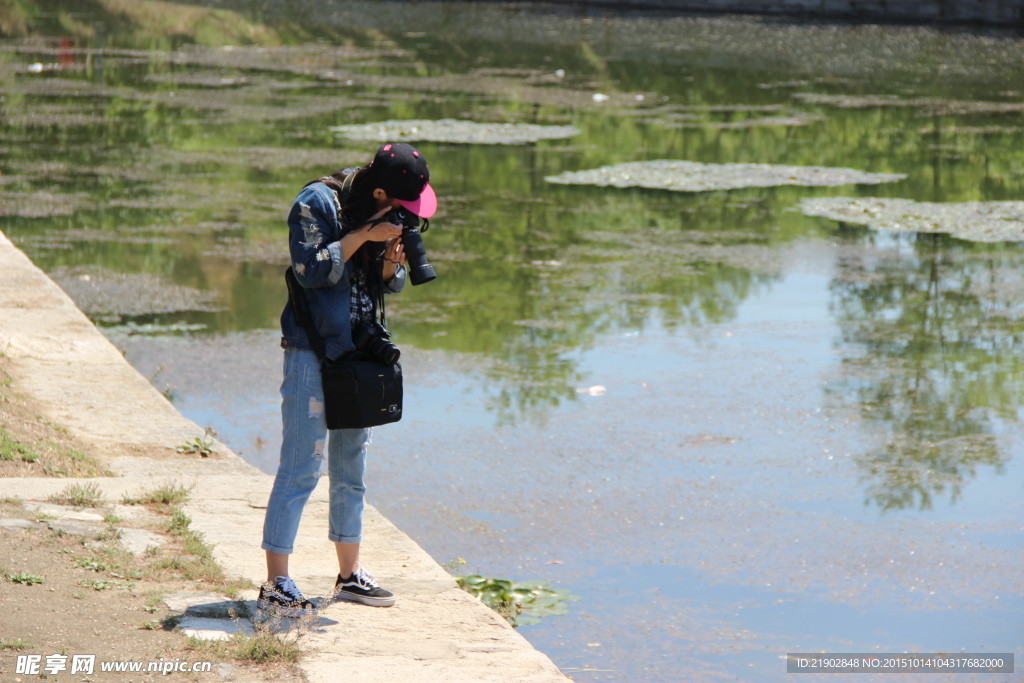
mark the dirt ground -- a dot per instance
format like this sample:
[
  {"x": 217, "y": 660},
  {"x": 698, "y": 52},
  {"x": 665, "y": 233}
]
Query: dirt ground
[{"x": 60, "y": 596}]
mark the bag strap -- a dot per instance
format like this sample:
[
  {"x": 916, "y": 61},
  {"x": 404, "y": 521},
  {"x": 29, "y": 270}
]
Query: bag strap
[{"x": 300, "y": 308}]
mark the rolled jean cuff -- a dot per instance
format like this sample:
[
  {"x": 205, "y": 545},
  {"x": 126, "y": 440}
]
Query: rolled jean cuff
[
  {"x": 275, "y": 549},
  {"x": 344, "y": 539}
]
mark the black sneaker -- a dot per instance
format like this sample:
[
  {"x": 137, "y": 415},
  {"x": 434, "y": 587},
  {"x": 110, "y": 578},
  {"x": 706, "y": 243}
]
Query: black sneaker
[
  {"x": 360, "y": 587},
  {"x": 284, "y": 598}
]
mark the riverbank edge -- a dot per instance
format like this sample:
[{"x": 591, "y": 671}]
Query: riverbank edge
[
  {"x": 81, "y": 382},
  {"x": 983, "y": 13}
]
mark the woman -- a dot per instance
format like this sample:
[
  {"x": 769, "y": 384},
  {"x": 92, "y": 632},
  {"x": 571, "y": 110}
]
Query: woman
[{"x": 344, "y": 260}]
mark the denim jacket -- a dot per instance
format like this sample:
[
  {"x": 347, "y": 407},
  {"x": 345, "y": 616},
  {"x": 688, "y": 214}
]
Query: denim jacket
[{"x": 313, "y": 239}]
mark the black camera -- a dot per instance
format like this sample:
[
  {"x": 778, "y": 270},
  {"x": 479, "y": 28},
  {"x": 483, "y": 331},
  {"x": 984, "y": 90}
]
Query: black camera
[
  {"x": 420, "y": 270},
  {"x": 372, "y": 338}
]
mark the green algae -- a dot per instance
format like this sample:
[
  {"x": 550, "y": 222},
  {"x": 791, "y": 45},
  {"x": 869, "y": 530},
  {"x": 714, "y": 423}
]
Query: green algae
[
  {"x": 455, "y": 131},
  {"x": 103, "y": 293},
  {"x": 973, "y": 221},
  {"x": 691, "y": 176}
]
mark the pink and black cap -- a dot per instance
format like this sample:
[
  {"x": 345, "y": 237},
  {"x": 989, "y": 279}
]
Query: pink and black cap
[{"x": 401, "y": 171}]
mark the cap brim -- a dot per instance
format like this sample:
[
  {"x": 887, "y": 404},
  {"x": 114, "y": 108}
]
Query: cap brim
[{"x": 425, "y": 206}]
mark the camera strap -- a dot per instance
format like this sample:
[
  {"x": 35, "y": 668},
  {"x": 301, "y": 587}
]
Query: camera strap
[{"x": 300, "y": 308}]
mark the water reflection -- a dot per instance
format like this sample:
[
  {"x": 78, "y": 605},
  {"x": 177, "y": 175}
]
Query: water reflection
[{"x": 930, "y": 328}]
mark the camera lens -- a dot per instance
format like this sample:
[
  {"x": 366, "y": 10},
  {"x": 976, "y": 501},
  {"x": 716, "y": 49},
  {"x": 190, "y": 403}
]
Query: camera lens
[{"x": 420, "y": 270}]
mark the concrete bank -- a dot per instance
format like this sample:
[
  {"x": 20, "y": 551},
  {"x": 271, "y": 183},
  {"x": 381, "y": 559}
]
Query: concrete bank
[{"x": 435, "y": 633}]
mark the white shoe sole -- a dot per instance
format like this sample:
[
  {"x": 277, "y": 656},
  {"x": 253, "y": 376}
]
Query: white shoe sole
[{"x": 364, "y": 599}]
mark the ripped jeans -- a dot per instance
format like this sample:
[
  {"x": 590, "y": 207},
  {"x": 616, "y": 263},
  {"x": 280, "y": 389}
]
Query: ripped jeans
[{"x": 302, "y": 454}]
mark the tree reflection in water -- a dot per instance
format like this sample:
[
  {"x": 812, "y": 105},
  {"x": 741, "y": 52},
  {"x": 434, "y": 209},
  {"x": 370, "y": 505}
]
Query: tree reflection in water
[{"x": 931, "y": 331}]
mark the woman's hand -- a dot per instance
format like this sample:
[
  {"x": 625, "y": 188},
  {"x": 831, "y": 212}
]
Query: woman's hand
[
  {"x": 381, "y": 232},
  {"x": 393, "y": 256}
]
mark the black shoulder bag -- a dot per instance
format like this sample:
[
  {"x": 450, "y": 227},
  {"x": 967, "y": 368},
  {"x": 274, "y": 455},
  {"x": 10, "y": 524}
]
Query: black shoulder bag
[{"x": 359, "y": 391}]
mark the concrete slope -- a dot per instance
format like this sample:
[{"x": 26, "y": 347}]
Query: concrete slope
[{"x": 435, "y": 632}]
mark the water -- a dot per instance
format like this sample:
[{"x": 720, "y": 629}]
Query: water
[{"x": 809, "y": 438}]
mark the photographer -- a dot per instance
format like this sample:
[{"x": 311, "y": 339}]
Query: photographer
[{"x": 344, "y": 258}]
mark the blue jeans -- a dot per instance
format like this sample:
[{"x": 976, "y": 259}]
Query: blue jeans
[{"x": 302, "y": 454}]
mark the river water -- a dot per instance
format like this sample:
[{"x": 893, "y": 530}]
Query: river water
[{"x": 733, "y": 429}]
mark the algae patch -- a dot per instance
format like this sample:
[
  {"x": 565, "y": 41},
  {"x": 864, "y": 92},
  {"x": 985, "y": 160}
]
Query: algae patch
[
  {"x": 973, "y": 221},
  {"x": 691, "y": 176},
  {"x": 101, "y": 292},
  {"x": 454, "y": 131}
]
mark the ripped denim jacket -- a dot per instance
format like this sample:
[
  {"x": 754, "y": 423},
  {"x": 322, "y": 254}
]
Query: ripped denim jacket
[{"x": 313, "y": 235}]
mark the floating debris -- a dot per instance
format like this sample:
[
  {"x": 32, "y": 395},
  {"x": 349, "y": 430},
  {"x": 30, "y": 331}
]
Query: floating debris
[
  {"x": 101, "y": 292},
  {"x": 452, "y": 130},
  {"x": 692, "y": 176},
  {"x": 973, "y": 221}
]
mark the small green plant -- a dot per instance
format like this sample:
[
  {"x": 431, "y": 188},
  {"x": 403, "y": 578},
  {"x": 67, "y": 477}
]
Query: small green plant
[
  {"x": 12, "y": 500},
  {"x": 179, "y": 522},
  {"x": 14, "y": 644},
  {"x": 171, "y": 622},
  {"x": 518, "y": 603},
  {"x": 98, "y": 585},
  {"x": 167, "y": 494},
  {"x": 90, "y": 564},
  {"x": 200, "y": 445},
  {"x": 151, "y": 625},
  {"x": 451, "y": 565},
  {"x": 79, "y": 495},
  {"x": 112, "y": 519},
  {"x": 11, "y": 449},
  {"x": 24, "y": 579}
]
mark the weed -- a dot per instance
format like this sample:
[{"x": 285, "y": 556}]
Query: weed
[
  {"x": 12, "y": 500},
  {"x": 90, "y": 564},
  {"x": 41, "y": 516},
  {"x": 78, "y": 596},
  {"x": 112, "y": 519},
  {"x": 179, "y": 522},
  {"x": 150, "y": 625},
  {"x": 198, "y": 445},
  {"x": 265, "y": 646},
  {"x": 171, "y": 622},
  {"x": 451, "y": 565},
  {"x": 23, "y": 578},
  {"x": 82, "y": 495},
  {"x": 98, "y": 585},
  {"x": 152, "y": 551},
  {"x": 11, "y": 449},
  {"x": 167, "y": 494},
  {"x": 512, "y": 599},
  {"x": 14, "y": 644}
]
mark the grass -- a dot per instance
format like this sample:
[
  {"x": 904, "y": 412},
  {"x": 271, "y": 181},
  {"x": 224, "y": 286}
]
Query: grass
[
  {"x": 79, "y": 495},
  {"x": 24, "y": 579},
  {"x": 265, "y": 645},
  {"x": 11, "y": 449},
  {"x": 166, "y": 494},
  {"x": 178, "y": 525},
  {"x": 14, "y": 644}
]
